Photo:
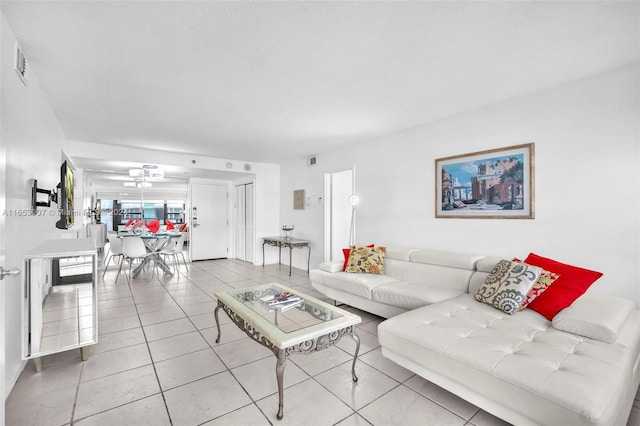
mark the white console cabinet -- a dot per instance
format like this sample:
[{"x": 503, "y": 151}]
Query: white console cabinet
[{"x": 59, "y": 298}]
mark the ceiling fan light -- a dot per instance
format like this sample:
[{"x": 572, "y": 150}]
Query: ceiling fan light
[{"x": 156, "y": 173}]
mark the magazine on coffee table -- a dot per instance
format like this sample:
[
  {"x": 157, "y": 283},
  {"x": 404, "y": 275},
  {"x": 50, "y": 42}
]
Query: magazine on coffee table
[{"x": 281, "y": 301}]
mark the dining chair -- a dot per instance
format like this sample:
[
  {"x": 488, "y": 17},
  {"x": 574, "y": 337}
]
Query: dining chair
[
  {"x": 115, "y": 249},
  {"x": 174, "y": 250},
  {"x": 133, "y": 248}
]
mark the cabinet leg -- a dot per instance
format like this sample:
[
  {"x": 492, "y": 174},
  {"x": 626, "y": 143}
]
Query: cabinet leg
[
  {"x": 84, "y": 351},
  {"x": 38, "y": 363}
]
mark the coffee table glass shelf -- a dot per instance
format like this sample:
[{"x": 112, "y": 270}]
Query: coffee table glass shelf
[{"x": 287, "y": 321}]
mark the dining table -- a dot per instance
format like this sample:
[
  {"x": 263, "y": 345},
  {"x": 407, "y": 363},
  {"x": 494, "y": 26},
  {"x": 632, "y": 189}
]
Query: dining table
[{"x": 154, "y": 244}]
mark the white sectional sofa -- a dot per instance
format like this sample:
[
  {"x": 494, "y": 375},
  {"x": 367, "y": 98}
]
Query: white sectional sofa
[
  {"x": 582, "y": 368},
  {"x": 412, "y": 278}
]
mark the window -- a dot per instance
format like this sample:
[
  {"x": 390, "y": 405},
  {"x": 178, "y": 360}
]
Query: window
[
  {"x": 175, "y": 211},
  {"x": 129, "y": 210},
  {"x": 152, "y": 209}
]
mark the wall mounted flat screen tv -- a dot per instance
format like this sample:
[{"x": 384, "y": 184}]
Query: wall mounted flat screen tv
[{"x": 65, "y": 197}]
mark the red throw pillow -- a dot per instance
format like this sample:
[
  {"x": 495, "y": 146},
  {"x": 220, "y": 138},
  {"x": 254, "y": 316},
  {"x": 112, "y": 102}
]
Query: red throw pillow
[
  {"x": 571, "y": 284},
  {"x": 170, "y": 226},
  {"x": 346, "y": 252}
]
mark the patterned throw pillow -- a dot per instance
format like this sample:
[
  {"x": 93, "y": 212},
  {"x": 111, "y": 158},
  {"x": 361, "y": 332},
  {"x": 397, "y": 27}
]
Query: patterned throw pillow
[
  {"x": 507, "y": 285},
  {"x": 545, "y": 279},
  {"x": 346, "y": 252},
  {"x": 366, "y": 260}
]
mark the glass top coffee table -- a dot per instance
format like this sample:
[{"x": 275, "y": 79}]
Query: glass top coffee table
[{"x": 287, "y": 321}]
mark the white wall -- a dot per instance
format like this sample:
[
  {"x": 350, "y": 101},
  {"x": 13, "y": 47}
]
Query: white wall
[
  {"x": 587, "y": 181},
  {"x": 34, "y": 142}
]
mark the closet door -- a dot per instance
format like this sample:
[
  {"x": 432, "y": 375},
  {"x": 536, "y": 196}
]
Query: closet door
[
  {"x": 249, "y": 232},
  {"x": 244, "y": 232},
  {"x": 240, "y": 222}
]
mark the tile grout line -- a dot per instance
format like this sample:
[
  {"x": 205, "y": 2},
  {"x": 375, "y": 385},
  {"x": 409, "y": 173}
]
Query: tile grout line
[
  {"x": 228, "y": 369},
  {"x": 153, "y": 364},
  {"x": 199, "y": 331}
]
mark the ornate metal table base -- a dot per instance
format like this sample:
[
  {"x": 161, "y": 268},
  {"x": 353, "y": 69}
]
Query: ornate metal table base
[
  {"x": 306, "y": 347},
  {"x": 290, "y": 243}
]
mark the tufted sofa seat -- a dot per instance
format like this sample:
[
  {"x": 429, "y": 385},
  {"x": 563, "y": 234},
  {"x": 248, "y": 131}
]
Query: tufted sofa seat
[{"x": 519, "y": 367}]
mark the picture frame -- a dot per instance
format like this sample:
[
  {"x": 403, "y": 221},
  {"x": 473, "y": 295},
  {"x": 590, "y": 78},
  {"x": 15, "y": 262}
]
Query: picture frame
[{"x": 492, "y": 184}]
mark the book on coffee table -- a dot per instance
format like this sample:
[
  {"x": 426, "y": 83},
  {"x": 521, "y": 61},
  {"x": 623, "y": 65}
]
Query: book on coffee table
[{"x": 281, "y": 301}]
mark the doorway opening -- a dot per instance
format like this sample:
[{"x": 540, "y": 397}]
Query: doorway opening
[{"x": 338, "y": 187}]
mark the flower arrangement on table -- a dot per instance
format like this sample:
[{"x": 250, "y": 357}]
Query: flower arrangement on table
[
  {"x": 153, "y": 226},
  {"x": 139, "y": 226}
]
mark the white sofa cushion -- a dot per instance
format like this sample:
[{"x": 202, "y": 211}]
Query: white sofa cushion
[
  {"x": 430, "y": 275},
  {"x": 331, "y": 266},
  {"x": 518, "y": 362},
  {"x": 445, "y": 258},
  {"x": 599, "y": 317},
  {"x": 399, "y": 253},
  {"x": 358, "y": 284},
  {"x": 411, "y": 295},
  {"x": 483, "y": 267}
]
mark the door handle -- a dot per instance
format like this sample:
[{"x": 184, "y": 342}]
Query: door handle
[
  {"x": 194, "y": 218},
  {"x": 7, "y": 272}
]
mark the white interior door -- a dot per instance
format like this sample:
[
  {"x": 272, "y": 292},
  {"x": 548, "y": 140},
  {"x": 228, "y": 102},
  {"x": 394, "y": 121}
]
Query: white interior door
[
  {"x": 249, "y": 233},
  {"x": 209, "y": 222},
  {"x": 244, "y": 233},
  {"x": 240, "y": 207},
  {"x": 338, "y": 187},
  {"x": 3, "y": 166}
]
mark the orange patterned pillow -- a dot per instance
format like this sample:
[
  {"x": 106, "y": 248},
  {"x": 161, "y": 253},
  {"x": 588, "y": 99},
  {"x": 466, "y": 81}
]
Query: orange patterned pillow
[
  {"x": 366, "y": 260},
  {"x": 544, "y": 281}
]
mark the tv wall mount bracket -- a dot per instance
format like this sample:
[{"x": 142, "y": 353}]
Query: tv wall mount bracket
[{"x": 52, "y": 196}]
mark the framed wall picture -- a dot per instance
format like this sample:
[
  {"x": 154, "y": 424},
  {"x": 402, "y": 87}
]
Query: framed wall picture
[
  {"x": 298, "y": 199},
  {"x": 492, "y": 184}
]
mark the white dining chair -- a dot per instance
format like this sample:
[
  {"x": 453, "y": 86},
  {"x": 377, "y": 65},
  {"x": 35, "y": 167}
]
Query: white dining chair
[
  {"x": 133, "y": 248},
  {"x": 175, "y": 249},
  {"x": 115, "y": 250}
]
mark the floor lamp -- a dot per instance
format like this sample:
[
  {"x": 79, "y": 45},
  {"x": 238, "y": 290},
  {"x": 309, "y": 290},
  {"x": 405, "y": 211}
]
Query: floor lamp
[{"x": 354, "y": 200}]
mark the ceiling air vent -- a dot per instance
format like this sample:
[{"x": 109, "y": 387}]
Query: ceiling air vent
[
  {"x": 22, "y": 67},
  {"x": 312, "y": 161}
]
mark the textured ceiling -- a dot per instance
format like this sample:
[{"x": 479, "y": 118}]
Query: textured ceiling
[{"x": 265, "y": 81}]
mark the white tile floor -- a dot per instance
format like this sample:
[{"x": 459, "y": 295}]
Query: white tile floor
[{"x": 157, "y": 363}]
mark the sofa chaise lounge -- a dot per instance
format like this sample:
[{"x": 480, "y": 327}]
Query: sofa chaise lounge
[{"x": 579, "y": 369}]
